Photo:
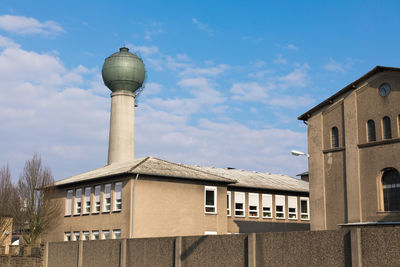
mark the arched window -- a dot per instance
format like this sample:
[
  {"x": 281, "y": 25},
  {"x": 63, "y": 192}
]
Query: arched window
[
  {"x": 335, "y": 137},
  {"x": 387, "y": 131},
  {"x": 391, "y": 190},
  {"x": 371, "y": 131}
]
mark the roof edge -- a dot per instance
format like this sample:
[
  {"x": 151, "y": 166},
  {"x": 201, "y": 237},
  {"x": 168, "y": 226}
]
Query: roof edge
[{"x": 351, "y": 86}]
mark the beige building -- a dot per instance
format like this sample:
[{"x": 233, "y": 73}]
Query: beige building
[
  {"x": 152, "y": 198},
  {"x": 354, "y": 148}
]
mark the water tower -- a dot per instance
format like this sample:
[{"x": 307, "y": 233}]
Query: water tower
[{"x": 123, "y": 73}]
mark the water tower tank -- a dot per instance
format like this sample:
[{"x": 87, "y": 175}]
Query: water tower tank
[{"x": 123, "y": 71}]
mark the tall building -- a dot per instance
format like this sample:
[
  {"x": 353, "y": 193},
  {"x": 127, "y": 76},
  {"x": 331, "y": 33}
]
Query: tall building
[
  {"x": 150, "y": 197},
  {"x": 354, "y": 148}
]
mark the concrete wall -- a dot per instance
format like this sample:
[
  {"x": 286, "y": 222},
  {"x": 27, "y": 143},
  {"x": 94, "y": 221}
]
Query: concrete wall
[{"x": 370, "y": 246}]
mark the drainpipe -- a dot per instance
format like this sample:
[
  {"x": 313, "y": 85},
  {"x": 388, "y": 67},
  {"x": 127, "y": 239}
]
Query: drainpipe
[{"x": 133, "y": 203}]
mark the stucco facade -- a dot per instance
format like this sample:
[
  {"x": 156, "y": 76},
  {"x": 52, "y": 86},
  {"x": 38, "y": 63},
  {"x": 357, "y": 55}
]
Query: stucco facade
[
  {"x": 346, "y": 168},
  {"x": 172, "y": 205}
]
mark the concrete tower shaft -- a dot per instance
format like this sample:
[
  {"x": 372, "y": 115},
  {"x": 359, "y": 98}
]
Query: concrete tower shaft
[{"x": 122, "y": 127}]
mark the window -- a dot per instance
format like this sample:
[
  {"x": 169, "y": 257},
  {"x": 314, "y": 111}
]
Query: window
[
  {"x": 210, "y": 196},
  {"x": 106, "y": 234},
  {"x": 210, "y": 232},
  {"x": 239, "y": 204},
  {"x": 68, "y": 206},
  {"x": 391, "y": 190},
  {"x": 371, "y": 131},
  {"x": 292, "y": 208},
  {"x": 118, "y": 196},
  {"x": 85, "y": 235},
  {"x": 87, "y": 200},
  {"x": 253, "y": 205},
  {"x": 267, "y": 205},
  {"x": 107, "y": 198},
  {"x": 304, "y": 208},
  {"x": 228, "y": 203},
  {"x": 116, "y": 234},
  {"x": 97, "y": 190},
  {"x": 76, "y": 236},
  {"x": 95, "y": 235},
  {"x": 280, "y": 207},
  {"x": 67, "y": 236},
  {"x": 335, "y": 137},
  {"x": 78, "y": 201},
  {"x": 387, "y": 131}
]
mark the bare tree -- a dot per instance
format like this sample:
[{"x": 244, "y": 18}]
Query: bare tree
[
  {"x": 7, "y": 192},
  {"x": 34, "y": 212}
]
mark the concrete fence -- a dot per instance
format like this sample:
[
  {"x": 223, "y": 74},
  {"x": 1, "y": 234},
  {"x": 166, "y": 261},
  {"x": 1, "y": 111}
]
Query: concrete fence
[{"x": 347, "y": 247}]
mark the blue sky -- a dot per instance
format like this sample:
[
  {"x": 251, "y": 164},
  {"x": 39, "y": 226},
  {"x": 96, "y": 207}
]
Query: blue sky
[{"x": 225, "y": 81}]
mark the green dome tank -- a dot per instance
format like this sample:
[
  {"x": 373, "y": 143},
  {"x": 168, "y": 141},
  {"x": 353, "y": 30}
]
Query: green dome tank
[{"x": 123, "y": 71}]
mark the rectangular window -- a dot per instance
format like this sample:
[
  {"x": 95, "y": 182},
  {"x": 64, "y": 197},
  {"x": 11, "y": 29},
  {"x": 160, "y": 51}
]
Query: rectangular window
[
  {"x": 87, "y": 200},
  {"x": 228, "y": 204},
  {"x": 210, "y": 232},
  {"x": 116, "y": 233},
  {"x": 253, "y": 205},
  {"x": 86, "y": 235},
  {"x": 107, "y": 198},
  {"x": 106, "y": 234},
  {"x": 78, "y": 201},
  {"x": 95, "y": 235},
  {"x": 68, "y": 205},
  {"x": 239, "y": 204},
  {"x": 267, "y": 205},
  {"x": 76, "y": 236},
  {"x": 210, "y": 199},
  {"x": 118, "y": 196},
  {"x": 304, "y": 208},
  {"x": 292, "y": 208},
  {"x": 67, "y": 236},
  {"x": 280, "y": 207},
  {"x": 97, "y": 190}
]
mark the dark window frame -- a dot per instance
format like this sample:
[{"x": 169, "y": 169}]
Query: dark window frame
[
  {"x": 371, "y": 132},
  {"x": 334, "y": 137},
  {"x": 387, "y": 130},
  {"x": 391, "y": 189}
]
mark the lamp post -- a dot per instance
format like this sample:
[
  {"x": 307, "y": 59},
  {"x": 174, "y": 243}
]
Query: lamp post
[{"x": 299, "y": 153}]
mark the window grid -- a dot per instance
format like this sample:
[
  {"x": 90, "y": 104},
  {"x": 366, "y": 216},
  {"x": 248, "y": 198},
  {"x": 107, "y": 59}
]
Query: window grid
[
  {"x": 228, "y": 204},
  {"x": 85, "y": 235},
  {"x": 210, "y": 200},
  {"x": 78, "y": 201},
  {"x": 106, "y": 234},
  {"x": 280, "y": 207},
  {"x": 304, "y": 208},
  {"x": 95, "y": 235},
  {"x": 87, "y": 200},
  {"x": 371, "y": 131},
  {"x": 77, "y": 236},
  {"x": 97, "y": 202},
  {"x": 67, "y": 236},
  {"x": 387, "y": 131},
  {"x": 240, "y": 204},
  {"x": 116, "y": 234},
  {"x": 118, "y": 196},
  {"x": 391, "y": 190},
  {"x": 107, "y": 198},
  {"x": 253, "y": 205},
  {"x": 335, "y": 137},
  {"x": 267, "y": 206},
  {"x": 68, "y": 206},
  {"x": 292, "y": 208}
]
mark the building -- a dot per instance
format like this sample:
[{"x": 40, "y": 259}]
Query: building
[
  {"x": 150, "y": 197},
  {"x": 354, "y": 148}
]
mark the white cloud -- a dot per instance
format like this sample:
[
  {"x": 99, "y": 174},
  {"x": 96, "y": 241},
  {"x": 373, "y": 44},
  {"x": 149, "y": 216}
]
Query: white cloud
[
  {"x": 249, "y": 91},
  {"x": 145, "y": 50},
  {"x": 280, "y": 60},
  {"x": 297, "y": 78},
  {"x": 25, "y": 25},
  {"x": 7, "y": 42},
  {"x": 334, "y": 66},
  {"x": 292, "y": 102},
  {"x": 203, "y": 27},
  {"x": 292, "y": 47},
  {"x": 153, "y": 88},
  {"x": 211, "y": 71}
]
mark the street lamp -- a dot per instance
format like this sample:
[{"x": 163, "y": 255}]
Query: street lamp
[{"x": 299, "y": 153}]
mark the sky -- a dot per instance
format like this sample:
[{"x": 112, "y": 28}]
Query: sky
[{"x": 226, "y": 80}]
